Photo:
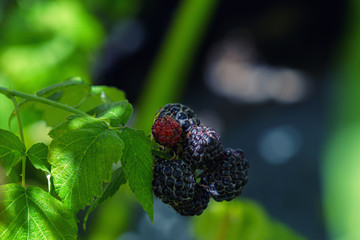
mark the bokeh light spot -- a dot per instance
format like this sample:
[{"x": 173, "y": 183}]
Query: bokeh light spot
[{"x": 279, "y": 144}]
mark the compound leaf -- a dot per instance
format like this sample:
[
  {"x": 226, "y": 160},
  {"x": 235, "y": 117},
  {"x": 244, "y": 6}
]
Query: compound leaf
[
  {"x": 117, "y": 112},
  {"x": 11, "y": 150},
  {"x": 33, "y": 214},
  {"x": 137, "y": 162},
  {"x": 81, "y": 154},
  {"x": 37, "y": 155},
  {"x": 117, "y": 179}
]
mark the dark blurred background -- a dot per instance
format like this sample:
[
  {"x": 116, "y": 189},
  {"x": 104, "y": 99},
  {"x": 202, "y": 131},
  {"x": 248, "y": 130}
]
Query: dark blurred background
[{"x": 275, "y": 78}]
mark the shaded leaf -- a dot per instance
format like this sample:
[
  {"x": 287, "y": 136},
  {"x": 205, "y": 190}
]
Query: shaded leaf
[
  {"x": 81, "y": 154},
  {"x": 37, "y": 155},
  {"x": 11, "y": 150},
  {"x": 117, "y": 179},
  {"x": 137, "y": 162},
  {"x": 117, "y": 112},
  {"x": 33, "y": 214}
]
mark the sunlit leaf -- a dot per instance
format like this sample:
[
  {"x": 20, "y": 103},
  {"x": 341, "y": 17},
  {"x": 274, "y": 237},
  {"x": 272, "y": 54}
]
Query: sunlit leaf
[
  {"x": 117, "y": 112},
  {"x": 137, "y": 162},
  {"x": 81, "y": 155},
  {"x": 34, "y": 215},
  {"x": 11, "y": 150},
  {"x": 117, "y": 179}
]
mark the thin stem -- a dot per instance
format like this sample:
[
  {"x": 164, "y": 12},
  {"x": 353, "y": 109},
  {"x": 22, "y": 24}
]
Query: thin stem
[
  {"x": 10, "y": 92},
  {"x": 22, "y": 139}
]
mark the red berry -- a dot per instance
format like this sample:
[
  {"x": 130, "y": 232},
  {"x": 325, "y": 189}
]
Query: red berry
[{"x": 166, "y": 131}]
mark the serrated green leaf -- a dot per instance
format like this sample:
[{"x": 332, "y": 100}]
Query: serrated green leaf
[
  {"x": 137, "y": 162},
  {"x": 11, "y": 150},
  {"x": 37, "y": 155},
  {"x": 81, "y": 155},
  {"x": 117, "y": 112},
  {"x": 117, "y": 179},
  {"x": 34, "y": 215}
]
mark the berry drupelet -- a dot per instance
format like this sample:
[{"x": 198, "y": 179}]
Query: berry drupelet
[
  {"x": 202, "y": 147},
  {"x": 229, "y": 178},
  {"x": 174, "y": 181},
  {"x": 196, "y": 205}
]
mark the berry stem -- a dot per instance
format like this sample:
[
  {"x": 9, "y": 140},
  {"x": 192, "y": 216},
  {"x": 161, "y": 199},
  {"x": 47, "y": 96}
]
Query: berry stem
[
  {"x": 161, "y": 154},
  {"x": 22, "y": 139}
]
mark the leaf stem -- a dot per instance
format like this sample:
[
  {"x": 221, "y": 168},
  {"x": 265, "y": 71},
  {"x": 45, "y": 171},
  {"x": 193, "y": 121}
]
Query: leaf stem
[
  {"x": 10, "y": 92},
  {"x": 22, "y": 139}
]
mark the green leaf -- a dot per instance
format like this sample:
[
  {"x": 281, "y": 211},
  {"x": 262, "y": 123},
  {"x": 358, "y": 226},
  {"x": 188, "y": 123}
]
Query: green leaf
[
  {"x": 117, "y": 179},
  {"x": 34, "y": 215},
  {"x": 243, "y": 220},
  {"x": 37, "y": 155},
  {"x": 11, "y": 150},
  {"x": 117, "y": 112},
  {"x": 137, "y": 162},
  {"x": 81, "y": 154}
]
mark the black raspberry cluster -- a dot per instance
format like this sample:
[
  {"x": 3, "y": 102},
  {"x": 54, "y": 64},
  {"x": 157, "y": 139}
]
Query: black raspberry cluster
[{"x": 196, "y": 149}]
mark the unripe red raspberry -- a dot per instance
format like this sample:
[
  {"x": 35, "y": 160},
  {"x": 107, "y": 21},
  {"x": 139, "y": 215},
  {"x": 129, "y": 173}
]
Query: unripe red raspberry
[
  {"x": 166, "y": 131},
  {"x": 184, "y": 115}
]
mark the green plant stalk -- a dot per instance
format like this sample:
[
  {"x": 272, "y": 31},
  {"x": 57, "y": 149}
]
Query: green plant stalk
[
  {"x": 10, "y": 92},
  {"x": 21, "y": 132},
  {"x": 167, "y": 76}
]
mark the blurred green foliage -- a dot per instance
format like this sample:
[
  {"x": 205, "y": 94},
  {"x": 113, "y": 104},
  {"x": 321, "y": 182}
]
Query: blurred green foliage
[
  {"x": 243, "y": 220},
  {"x": 341, "y": 165},
  {"x": 47, "y": 42}
]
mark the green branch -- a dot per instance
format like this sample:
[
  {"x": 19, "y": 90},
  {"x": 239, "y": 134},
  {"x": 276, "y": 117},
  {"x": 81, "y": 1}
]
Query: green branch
[{"x": 10, "y": 92}]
